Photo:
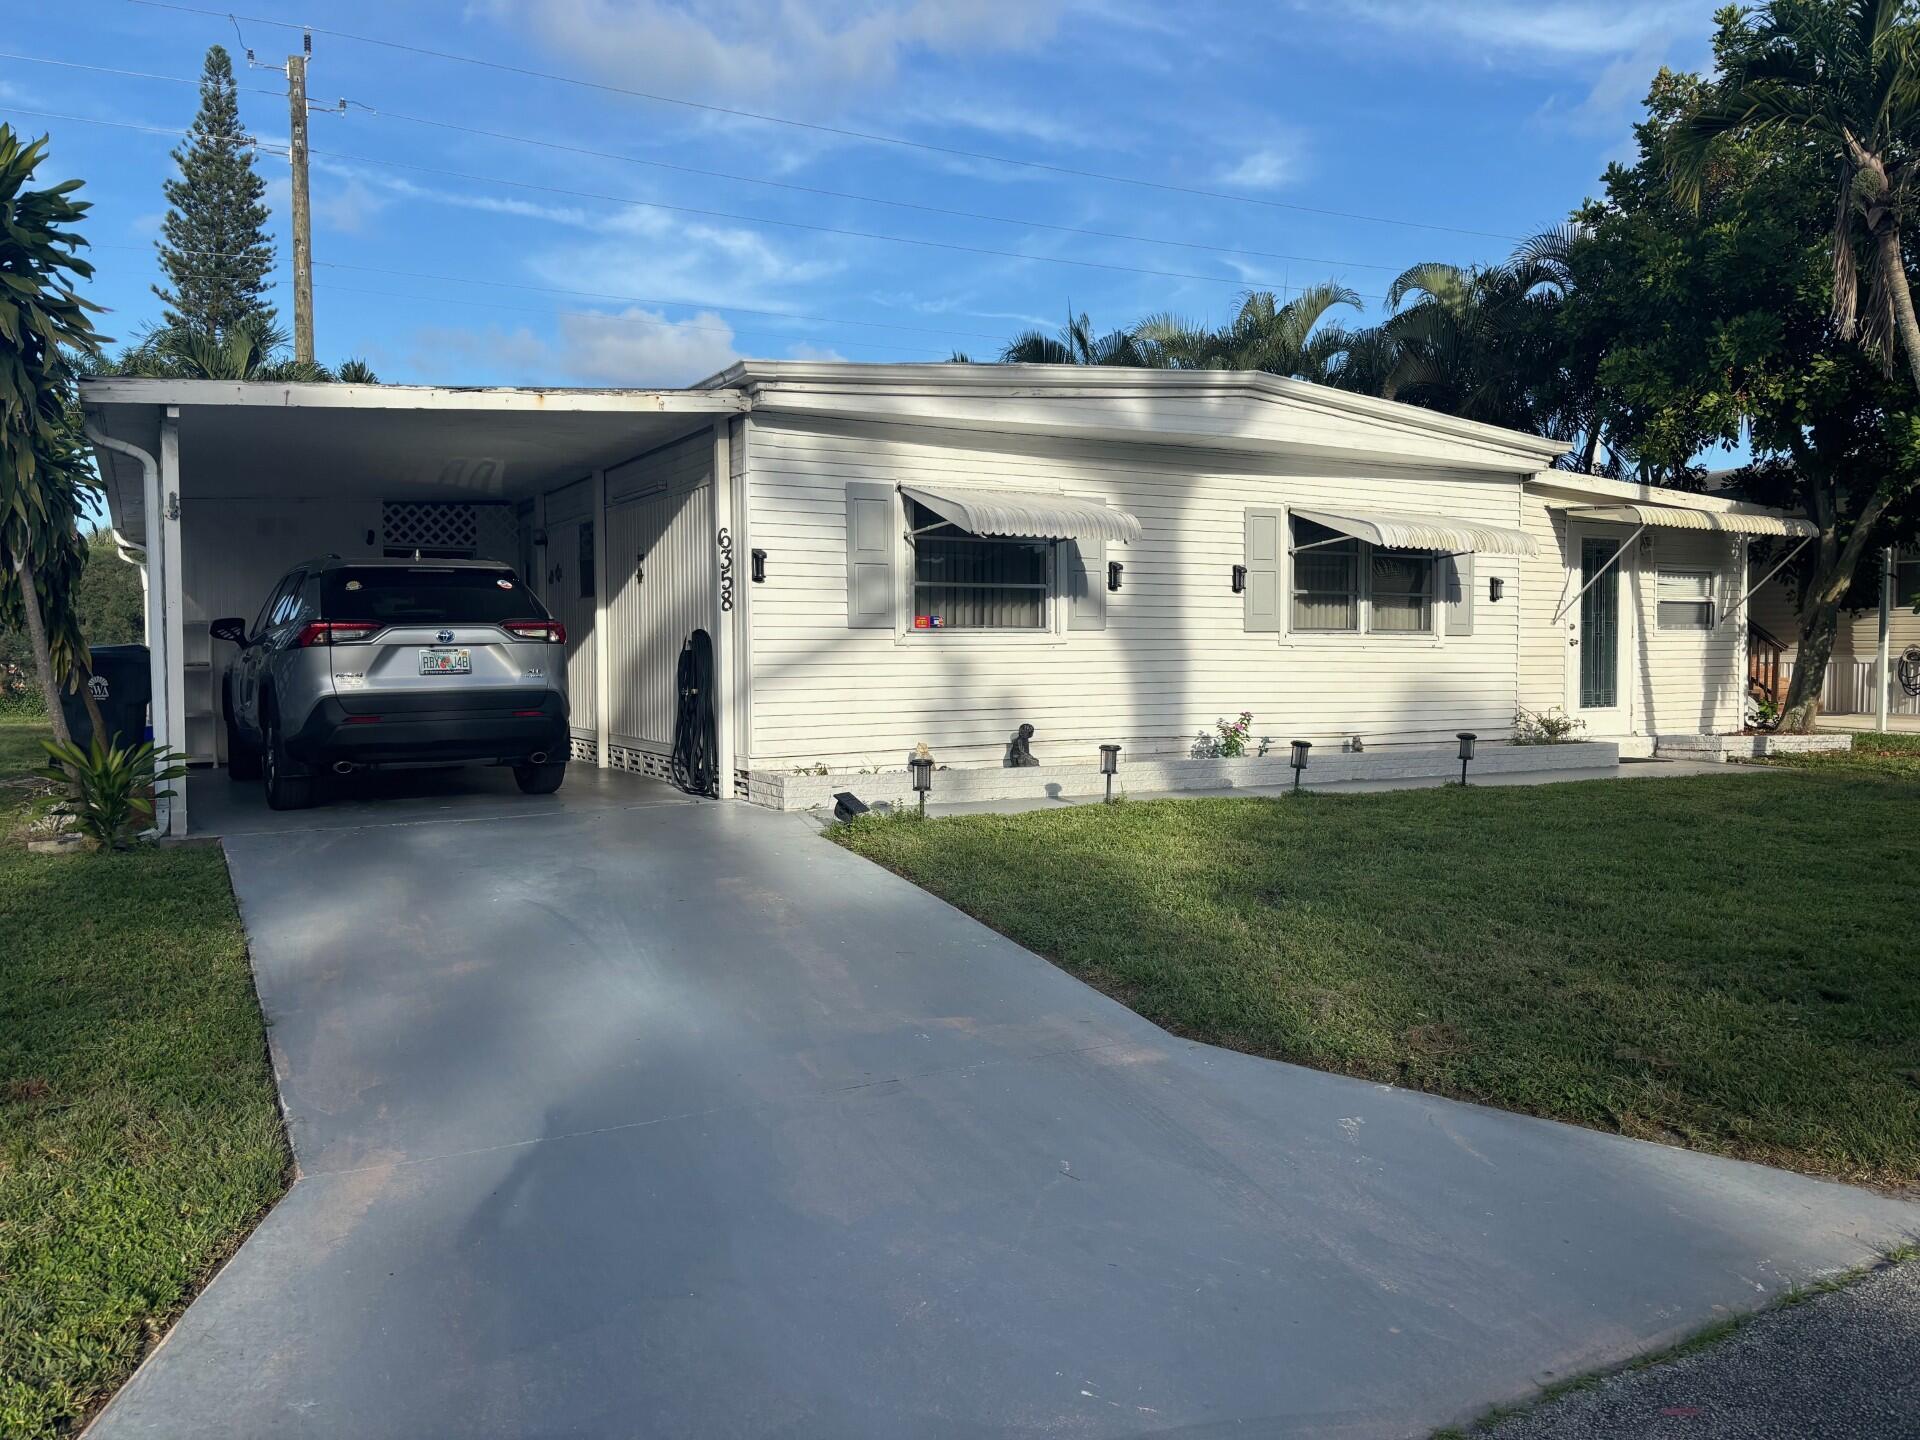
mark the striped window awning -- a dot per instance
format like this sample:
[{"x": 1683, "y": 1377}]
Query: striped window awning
[
  {"x": 1680, "y": 517},
  {"x": 1423, "y": 532},
  {"x": 1028, "y": 516}
]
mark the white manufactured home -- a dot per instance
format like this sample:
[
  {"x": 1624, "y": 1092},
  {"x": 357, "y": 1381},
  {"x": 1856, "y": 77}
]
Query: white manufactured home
[{"x": 886, "y": 556}]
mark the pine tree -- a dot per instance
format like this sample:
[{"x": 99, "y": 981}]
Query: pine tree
[{"x": 214, "y": 245}]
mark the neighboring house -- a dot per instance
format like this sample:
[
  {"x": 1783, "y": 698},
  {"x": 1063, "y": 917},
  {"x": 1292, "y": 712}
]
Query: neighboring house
[
  {"x": 899, "y": 554},
  {"x": 1851, "y": 685}
]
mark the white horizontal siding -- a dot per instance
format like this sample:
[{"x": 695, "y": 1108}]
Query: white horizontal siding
[
  {"x": 1675, "y": 681},
  {"x": 659, "y": 569},
  {"x": 1173, "y": 657},
  {"x": 1690, "y": 681}
]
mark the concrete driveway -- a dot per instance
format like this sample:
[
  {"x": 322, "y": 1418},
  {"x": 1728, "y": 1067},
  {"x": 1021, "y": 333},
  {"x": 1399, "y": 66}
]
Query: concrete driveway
[{"x": 621, "y": 1114}]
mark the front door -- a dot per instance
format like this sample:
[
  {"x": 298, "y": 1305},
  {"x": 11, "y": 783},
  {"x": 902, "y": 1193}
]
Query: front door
[{"x": 1599, "y": 630}]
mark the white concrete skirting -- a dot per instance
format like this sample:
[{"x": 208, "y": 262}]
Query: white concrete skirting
[
  {"x": 1745, "y": 747},
  {"x": 1158, "y": 776}
]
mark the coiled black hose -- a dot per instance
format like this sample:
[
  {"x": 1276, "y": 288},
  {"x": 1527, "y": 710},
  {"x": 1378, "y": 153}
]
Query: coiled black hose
[{"x": 695, "y": 738}]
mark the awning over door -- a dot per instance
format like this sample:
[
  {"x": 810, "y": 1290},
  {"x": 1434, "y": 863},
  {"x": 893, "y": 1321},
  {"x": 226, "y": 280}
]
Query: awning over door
[
  {"x": 1021, "y": 513},
  {"x": 1423, "y": 532},
  {"x": 1677, "y": 517}
]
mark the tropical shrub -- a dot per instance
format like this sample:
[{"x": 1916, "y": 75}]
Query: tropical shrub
[{"x": 111, "y": 787}]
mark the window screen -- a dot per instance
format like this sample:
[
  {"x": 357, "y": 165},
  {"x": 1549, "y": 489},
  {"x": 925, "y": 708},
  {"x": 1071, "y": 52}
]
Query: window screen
[
  {"x": 1402, "y": 593},
  {"x": 977, "y": 582},
  {"x": 1685, "y": 599},
  {"x": 427, "y": 595},
  {"x": 1326, "y": 579}
]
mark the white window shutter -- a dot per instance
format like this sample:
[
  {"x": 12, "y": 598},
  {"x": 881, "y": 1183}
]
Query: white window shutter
[
  {"x": 871, "y": 512},
  {"x": 1086, "y": 575},
  {"x": 1456, "y": 591},
  {"x": 1263, "y": 562}
]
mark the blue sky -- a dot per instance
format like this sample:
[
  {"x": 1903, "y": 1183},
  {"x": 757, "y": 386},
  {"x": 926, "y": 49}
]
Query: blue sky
[{"x": 443, "y": 256}]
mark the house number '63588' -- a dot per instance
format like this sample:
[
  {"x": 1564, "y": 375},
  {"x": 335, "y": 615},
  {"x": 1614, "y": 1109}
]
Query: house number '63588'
[{"x": 725, "y": 541}]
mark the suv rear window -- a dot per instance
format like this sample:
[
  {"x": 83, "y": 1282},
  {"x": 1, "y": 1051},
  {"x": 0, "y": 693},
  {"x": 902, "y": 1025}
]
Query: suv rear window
[{"x": 399, "y": 594}]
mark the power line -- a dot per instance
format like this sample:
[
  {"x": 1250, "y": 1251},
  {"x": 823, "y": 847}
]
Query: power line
[
  {"x": 707, "y": 305},
  {"x": 710, "y": 214},
  {"x": 597, "y": 316},
  {"x": 131, "y": 74},
  {"x": 345, "y": 105},
  {"x": 844, "y": 231},
  {"x": 869, "y": 136}
]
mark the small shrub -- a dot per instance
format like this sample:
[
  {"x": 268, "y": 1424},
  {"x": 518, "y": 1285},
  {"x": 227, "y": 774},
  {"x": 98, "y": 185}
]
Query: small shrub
[
  {"x": 1545, "y": 727},
  {"x": 1229, "y": 739},
  {"x": 111, "y": 789}
]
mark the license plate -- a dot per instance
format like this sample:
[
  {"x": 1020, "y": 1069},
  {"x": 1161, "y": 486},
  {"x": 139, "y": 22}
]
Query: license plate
[{"x": 441, "y": 660}]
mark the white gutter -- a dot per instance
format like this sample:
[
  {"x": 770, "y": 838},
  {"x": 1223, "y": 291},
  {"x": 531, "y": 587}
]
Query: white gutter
[{"x": 159, "y": 662}]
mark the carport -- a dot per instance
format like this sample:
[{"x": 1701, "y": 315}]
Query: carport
[{"x": 220, "y": 487}]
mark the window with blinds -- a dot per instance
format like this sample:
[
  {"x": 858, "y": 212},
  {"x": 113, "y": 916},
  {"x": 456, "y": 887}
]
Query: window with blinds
[
  {"x": 1684, "y": 599},
  {"x": 977, "y": 582},
  {"x": 1341, "y": 586}
]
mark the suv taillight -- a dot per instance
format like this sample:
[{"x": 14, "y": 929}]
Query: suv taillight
[
  {"x": 334, "y": 632},
  {"x": 552, "y": 631}
]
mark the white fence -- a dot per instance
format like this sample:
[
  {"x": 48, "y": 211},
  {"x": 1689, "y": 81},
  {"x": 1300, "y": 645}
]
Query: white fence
[{"x": 1852, "y": 688}]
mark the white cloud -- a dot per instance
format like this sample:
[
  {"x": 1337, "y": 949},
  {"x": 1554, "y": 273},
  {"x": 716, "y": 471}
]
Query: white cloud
[
  {"x": 738, "y": 50},
  {"x": 349, "y": 208},
  {"x": 1268, "y": 167},
  {"x": 634, "y": 346},
  {"x": 804, "y": 351},
  {"x": 643, "y": 347},
  {"x": 634, "y": 249},
  {"x": 1564, "y": 28}
]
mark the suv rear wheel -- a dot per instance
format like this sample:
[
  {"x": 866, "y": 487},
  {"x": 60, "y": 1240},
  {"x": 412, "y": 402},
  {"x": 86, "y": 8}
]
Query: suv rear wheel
[
  {"x": 540, "y": 779},
  {"x": 285, "y": 791},
  {"x": 243, "y": 757}
]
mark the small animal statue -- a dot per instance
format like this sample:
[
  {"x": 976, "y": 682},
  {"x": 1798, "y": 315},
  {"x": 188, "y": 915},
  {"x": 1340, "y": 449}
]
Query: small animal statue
[{"x": 1020, "y": 749}]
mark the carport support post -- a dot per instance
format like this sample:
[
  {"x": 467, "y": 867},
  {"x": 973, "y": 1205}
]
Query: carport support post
[
  {"x": 170, "y": 700},
  {"x": 602, "y": 649},
  {"x": 725, "y": 591},
  {"x": 1881, "y": 670}
]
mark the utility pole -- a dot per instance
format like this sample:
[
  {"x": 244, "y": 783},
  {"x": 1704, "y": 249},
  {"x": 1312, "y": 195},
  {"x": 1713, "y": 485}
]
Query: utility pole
[{"x": 302, "y": 215}]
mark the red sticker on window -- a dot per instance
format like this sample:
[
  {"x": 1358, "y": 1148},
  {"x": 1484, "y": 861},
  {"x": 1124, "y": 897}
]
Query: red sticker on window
[{"x": 926, "y": 622}]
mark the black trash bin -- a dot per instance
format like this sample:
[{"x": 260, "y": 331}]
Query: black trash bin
[{"x": 122, "y": 685}]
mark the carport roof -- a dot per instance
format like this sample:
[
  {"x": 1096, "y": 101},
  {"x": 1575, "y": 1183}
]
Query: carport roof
[{"x": 241, "y": 438}]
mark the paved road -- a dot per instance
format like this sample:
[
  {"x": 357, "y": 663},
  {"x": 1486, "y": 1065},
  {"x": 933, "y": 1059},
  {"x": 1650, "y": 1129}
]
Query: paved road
[
  {"x": 1842, "y": 1366},
  {"x": 619, "y": 1114}
]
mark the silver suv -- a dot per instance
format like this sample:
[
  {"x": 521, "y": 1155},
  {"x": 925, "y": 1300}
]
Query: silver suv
[{"x": 355, "y": 663}]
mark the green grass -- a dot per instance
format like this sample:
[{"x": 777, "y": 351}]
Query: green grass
[
  {"x": 140, "y": 1137},
  {"x": 20, "y": 752},
  {"x": 1895, "y": 755},
  {"x": 1724, "y": 962}
]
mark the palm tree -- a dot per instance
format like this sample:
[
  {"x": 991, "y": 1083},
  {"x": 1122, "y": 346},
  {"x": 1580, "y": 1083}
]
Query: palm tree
[
  {"x": 1485, "y": 342},
  {"x": 1844, "y": 74},
  {"x": 43, "y": 321},
  {"x": 1076, "y": 344},
  {"x": 253, "y": 349},
  {"x": 1264, "y": 335}
]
